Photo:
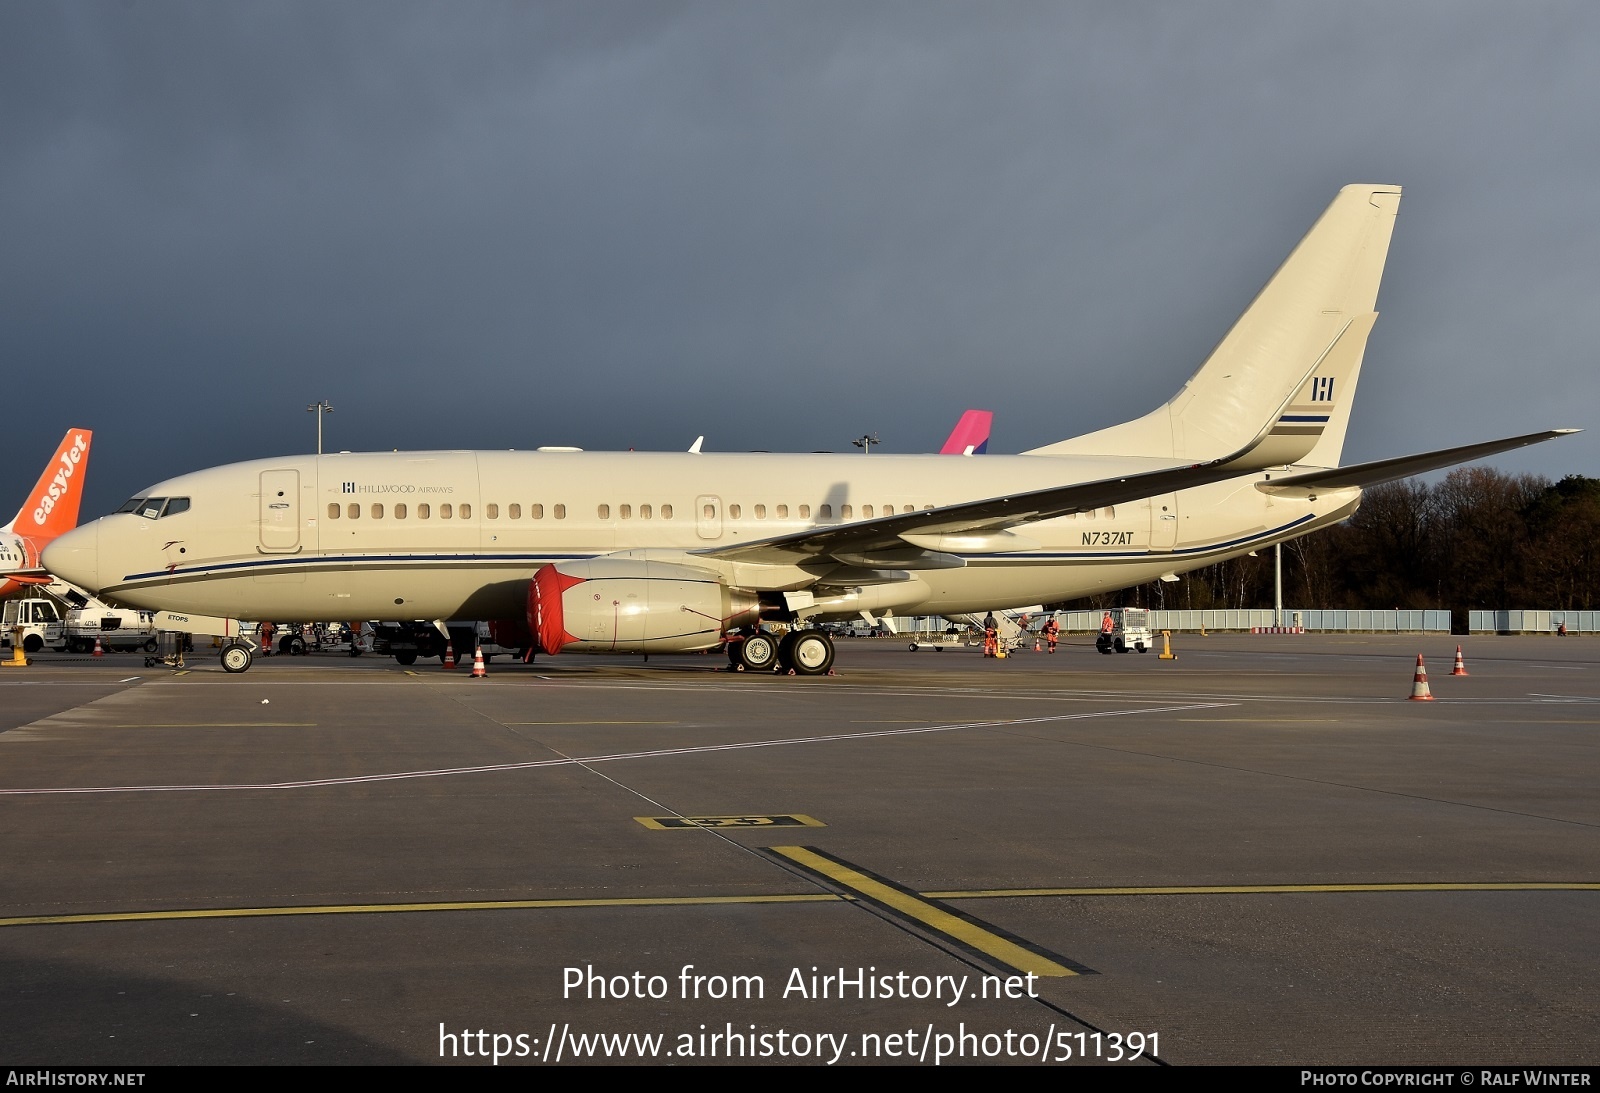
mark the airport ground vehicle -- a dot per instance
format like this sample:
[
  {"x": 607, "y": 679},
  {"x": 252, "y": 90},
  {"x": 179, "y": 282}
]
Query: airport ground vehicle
[
  {"x": 1130, "y": 630},
  {"x": 954, "y": 637},
  {"x": 37, "y": 618},
  {"x": 118, "y": 629},
  {"x": 408, "y": 641}
]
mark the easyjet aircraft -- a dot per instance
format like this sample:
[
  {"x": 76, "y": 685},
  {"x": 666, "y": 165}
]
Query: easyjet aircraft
[
  {"x": 971, "y": 434},
  {"x": 663, "y": 552},
  {"x": 50, "y": 509}
]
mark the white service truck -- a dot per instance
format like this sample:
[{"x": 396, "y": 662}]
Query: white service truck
[{"x": 36, "y": 619}]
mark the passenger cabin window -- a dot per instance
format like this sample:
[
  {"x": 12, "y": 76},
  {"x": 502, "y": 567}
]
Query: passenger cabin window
[
  {"x": 491, "y": 511},
  {"x": 466, "y": 511},
  {"x": 644, "y": 512},
  {"x": 805, "y": 512},
  {"x": 400, "y": 510},
  {"x": 866, "y": 510},
  {"x": 625, "y": 512},
  {"x": 825, "y": 512},
  {"x": 761, "y": 512},
  {"x": 846, "y": 512},
  {"x": 783, "y": 511},
  {"x": 734, "y": 511},
  {"x": 666, "y": 512},
  {"x": 514, "y": 512},
  {"x": 377, "y": 511},
  {"x": 561, "y": 512},
  {"x": 333, "y": 510},
  {"x": 445, "y": 512},
  {"x": 353, "y": 511},
  {"x": 424, "y": 511},
  {"x": 536, "y": 512},
  {"x": 604, "y": 511}
]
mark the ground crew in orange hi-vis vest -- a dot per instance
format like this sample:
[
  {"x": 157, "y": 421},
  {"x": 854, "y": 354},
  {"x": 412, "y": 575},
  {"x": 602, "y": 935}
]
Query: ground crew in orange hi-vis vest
[
  {"x": 1052, "y": 632},
  {"x": 991, "y": 630},
  {"x": 1105, "y": 624}
]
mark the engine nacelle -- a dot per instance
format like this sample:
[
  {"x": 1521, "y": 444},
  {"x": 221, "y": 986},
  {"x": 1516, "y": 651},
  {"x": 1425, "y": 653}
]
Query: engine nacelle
[{"x": 633, "y": 606}]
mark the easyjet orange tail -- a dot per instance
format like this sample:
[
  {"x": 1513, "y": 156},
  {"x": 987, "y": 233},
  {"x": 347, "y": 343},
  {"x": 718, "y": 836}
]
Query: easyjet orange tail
[{"x": 52, "y": 505}]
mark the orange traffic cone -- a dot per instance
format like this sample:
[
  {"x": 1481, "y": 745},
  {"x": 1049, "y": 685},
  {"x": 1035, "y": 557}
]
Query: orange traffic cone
[
  {"x": 449, "y": 664},
  {"x": 99, "y": 652},
  {"x": 1419, "y": 683},
  {"x": 1461, "y": 666},
  {"x": 1036, "y": 647},
  {"x": 478, "y": 670}
]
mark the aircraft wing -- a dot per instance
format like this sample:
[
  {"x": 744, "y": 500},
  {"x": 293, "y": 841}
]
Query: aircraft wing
[
  {"x": 918, "y": 540},
  {"x": 1388, "y": 470},
  {"x": 971, "y": 526}
]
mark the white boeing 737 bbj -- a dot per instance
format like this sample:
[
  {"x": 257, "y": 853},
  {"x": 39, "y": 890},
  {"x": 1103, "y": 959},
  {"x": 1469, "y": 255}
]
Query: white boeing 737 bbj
[{"x": 675, "y": 552}]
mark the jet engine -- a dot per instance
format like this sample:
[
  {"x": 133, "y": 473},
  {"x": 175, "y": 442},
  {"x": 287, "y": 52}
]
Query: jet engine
[{"x": 630, "y": 605}]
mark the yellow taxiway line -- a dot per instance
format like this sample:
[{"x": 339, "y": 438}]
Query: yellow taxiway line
[
  {"x": 966, "y": 931},
  {"x": 753, "y": 899}
]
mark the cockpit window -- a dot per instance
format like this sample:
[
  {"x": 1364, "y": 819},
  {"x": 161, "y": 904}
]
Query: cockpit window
[
  {"x": 151, "y": 508},
  {"x": 131, "y": 504},
  {"x": 176, "y": 505}
]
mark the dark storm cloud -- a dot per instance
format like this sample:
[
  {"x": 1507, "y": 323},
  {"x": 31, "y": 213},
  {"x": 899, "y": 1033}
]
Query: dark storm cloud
[{"x": 781, "y": 225}]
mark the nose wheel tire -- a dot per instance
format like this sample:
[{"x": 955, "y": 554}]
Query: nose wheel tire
[{"x": 236, "y": 657}]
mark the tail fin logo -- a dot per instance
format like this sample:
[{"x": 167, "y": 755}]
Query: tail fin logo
[
  {"x": 1322, "y": 389},
  {"x": 56, "y": 496}
]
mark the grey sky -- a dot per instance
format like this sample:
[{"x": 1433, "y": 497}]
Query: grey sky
[{"x": 778, "y": 224}]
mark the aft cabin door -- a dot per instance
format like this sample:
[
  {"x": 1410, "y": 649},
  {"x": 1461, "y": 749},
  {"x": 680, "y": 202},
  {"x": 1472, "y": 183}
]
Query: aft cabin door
[
  {"x": 1164, "y": 521},
  {"x": 280, "y": 512}
]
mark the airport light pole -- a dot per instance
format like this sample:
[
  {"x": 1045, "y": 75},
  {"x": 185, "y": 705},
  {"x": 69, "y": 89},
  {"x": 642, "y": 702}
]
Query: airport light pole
[
  {"x": 866, "y": 443},
  {"x": 1277, "y": 585},
  {"x": 322, "y": 406}
]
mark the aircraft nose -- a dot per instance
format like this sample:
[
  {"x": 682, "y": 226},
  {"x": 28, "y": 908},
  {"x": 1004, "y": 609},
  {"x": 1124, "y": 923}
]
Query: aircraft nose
[{"x": 75, "y": 557}]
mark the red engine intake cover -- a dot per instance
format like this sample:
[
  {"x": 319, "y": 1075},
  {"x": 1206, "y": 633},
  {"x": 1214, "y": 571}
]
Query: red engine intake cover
[{"x": 544, "y": 609}]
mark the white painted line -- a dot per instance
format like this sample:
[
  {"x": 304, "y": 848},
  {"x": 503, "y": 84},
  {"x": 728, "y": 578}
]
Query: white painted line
[{"x": 610, "y": 758}]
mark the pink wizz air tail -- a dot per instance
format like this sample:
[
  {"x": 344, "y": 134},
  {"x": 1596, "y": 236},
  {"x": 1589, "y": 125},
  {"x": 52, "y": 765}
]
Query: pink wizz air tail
[
  {"x": 50, "y": 509},
  {"x": 971, "y": 434}
]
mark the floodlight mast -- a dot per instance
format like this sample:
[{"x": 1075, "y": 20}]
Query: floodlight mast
[{"x": 320, "y": 407}]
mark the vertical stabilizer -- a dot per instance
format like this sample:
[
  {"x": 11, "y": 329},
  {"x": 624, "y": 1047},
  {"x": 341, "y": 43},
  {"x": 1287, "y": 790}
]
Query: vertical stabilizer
[
  {"x": 1304, "y": 335},
  {"x": 52, "y": 505},
  {"x": 971, "y": 434}
]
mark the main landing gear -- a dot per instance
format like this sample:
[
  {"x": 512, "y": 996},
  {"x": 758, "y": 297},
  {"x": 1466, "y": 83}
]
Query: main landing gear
[{"x": 801, "y": 652}]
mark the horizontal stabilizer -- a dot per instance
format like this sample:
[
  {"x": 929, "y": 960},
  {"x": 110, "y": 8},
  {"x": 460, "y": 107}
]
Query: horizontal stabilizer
[{"x": 1388, "y": 470}]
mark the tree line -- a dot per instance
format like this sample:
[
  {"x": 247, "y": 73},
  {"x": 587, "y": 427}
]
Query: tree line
[{"x": 1476, "y": 539}]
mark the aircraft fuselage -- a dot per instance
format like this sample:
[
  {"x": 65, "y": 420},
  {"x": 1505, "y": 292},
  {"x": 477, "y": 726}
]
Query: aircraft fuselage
[{"x": 433, "y": 535}]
